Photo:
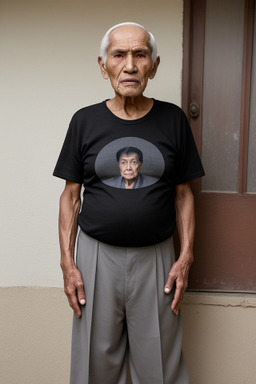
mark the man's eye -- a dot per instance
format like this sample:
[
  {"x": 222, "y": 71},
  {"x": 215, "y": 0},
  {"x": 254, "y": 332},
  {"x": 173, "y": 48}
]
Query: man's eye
[
  {"x": 134, "y": 162},
  {"x": 118, "y": 55}
]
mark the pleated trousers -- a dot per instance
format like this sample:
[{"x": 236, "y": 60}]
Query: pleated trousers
[{"x": 127, "y": 316}]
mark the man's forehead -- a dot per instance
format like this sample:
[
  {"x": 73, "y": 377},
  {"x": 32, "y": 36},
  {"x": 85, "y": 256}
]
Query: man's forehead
[
  {"x": 124, "y": 35},
  {"x": 129, "y": 155}
]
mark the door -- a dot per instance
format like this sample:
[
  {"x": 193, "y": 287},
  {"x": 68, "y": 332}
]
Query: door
[{"x": 219, "y": 97}]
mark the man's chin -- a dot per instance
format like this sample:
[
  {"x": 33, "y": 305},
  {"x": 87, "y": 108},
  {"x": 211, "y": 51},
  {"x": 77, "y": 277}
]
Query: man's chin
[
  {"x": 130, "y": 179},
  {"x": 130, "y": 91}
]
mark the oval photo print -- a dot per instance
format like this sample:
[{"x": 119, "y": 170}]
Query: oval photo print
[{"x": 129, "y": 160}]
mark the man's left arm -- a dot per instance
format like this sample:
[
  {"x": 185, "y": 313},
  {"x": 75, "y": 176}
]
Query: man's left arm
[{"x": 185, "y": 219}]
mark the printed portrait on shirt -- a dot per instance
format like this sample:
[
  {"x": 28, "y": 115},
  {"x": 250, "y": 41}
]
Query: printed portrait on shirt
[{"x": 129, "y": 163}]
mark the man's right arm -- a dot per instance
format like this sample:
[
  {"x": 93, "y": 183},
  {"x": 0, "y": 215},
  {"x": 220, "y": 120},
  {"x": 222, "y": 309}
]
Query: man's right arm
[{"x": 70, "y": 202}]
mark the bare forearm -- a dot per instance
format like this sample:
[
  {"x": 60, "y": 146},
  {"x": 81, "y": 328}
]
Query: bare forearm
[
  {"x": 70, "y": 203},
  {"x": 185, "y": 219},
  {"x": 69, "y": 210}
]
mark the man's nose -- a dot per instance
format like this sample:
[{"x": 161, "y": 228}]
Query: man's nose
[
  {"x": 128, "y": 165},
  {"x": 130, "y": 64}
]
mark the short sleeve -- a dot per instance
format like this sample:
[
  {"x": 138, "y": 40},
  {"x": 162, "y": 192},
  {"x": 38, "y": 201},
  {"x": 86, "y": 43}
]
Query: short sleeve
[
  {"x": 189, "y": 166},
  {"x": 69, "y": 165}
]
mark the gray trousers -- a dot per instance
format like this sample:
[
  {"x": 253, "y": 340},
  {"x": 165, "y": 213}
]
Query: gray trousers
[{"x": 127, "y": 317}]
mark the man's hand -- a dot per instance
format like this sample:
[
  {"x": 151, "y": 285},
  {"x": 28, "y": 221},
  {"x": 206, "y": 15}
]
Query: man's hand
[
  {"x": 74, "y": 289},
  {"x": 178, "y": 276}
]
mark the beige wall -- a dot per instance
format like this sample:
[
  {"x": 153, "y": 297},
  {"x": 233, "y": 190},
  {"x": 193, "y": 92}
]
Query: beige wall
[
  {"x": 219, "y": 337},
  {"x": 48, "y": 70}
]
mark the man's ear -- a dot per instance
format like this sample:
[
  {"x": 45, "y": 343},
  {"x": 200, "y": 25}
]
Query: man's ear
[
  {"x": 103, "y": 68},
  {"x": 157, "y": 62}
]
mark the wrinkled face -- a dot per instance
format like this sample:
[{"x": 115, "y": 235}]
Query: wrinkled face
[
  {"x": 129, "y": 166},
  {"x": 129, "y": 63}
]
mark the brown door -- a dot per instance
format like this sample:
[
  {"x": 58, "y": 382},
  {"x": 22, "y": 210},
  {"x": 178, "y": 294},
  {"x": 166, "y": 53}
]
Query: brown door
[{"x": 219, "y": 97}]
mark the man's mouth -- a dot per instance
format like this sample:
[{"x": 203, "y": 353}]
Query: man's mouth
[{"x": 130, "y": 82}]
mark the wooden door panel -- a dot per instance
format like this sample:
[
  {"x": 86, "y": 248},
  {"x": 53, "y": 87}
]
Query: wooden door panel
[{"x": 225, "y": 241}]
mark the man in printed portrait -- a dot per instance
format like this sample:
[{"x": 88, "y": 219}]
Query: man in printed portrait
[{"x": 130, "y": 161}]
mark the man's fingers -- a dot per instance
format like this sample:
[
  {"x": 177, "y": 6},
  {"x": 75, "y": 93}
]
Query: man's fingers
[
  {"x": 75, "y": 297},
  {"x": 167, "y": 289},
  {"x": 181, "y": 286},
  {"x": 180, "y": 278},
  {"x": 169, "y": 284},
  {"x": 81, "y": 294},
  {"x": 73, "y": 302},
  {"x": 176, "y": 309},
  {"x": 74, "y": 289},
  {"x": 77, "y": 311},
  {"x": 176, "y": 301}
]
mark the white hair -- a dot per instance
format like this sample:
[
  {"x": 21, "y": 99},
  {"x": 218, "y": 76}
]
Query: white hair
[{"x": 105, "y": 41}]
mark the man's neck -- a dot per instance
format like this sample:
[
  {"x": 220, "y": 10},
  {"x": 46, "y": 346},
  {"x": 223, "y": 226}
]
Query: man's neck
[{"x": 130, "y": 108}]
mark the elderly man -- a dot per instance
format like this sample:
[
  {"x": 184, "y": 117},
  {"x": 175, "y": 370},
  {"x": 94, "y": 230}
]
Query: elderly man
[{"x": 126, "y": 286}]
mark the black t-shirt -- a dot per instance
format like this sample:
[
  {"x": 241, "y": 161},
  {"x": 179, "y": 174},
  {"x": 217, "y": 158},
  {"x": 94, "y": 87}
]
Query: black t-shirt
[{"x": 160, "y": 152}]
